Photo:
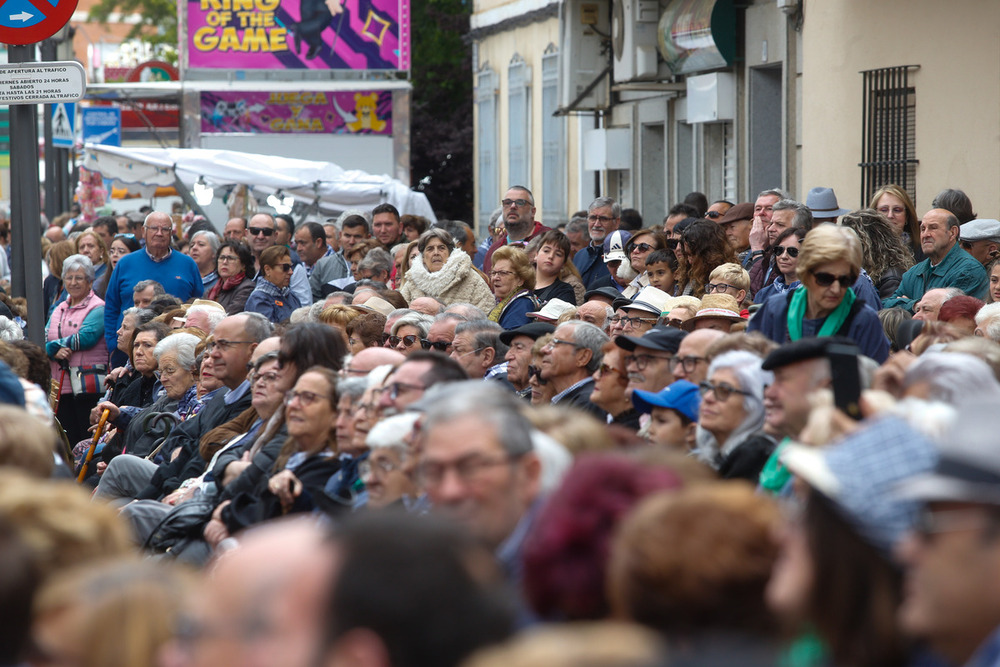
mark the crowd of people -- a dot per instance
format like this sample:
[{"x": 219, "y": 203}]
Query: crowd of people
[{"x": 753, "y": 433}]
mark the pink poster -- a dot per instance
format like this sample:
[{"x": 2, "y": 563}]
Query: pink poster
[
  {"x": 298, "y": 34},
  {"x": 321, "y": 112}
]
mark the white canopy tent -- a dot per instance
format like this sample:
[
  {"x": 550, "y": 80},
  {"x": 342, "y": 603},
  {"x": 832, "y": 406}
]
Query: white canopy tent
[{"x": 330, "y": 187}]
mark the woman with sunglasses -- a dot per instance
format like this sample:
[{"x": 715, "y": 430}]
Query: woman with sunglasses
[
  {"x": 639, "y": 247},
  {"x": 824, "y": 304},
  {"x": 784, "y": 259},
  {"x": 234, "y": 264},
  {"x": 445, "y": 272},
  {"x": 409, "y": 333},
  {"x": 731, "y": 417},
  {"x": 272, "y": 297},
  {"x": 610, "y": 381}
]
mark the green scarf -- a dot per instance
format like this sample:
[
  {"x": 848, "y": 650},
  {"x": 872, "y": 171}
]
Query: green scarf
[
  {"x": 497, "y": 311},
  {"x": 833, "y": 322}
]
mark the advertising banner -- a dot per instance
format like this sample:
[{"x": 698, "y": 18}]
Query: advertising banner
[
  {"x": 325, "y": 112},
  {"x": 298, "y": 34}
]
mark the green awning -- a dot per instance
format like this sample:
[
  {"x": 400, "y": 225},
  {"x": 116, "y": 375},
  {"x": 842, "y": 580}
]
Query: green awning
[{"x": 698, "y": 35}]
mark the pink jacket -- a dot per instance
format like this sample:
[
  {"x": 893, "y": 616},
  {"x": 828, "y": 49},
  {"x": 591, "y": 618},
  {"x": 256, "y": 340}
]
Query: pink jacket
[{"x": 66, "y": 327}]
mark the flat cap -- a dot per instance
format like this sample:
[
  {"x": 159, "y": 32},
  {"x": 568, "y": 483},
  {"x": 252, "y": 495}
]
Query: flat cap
[{"x": 803, "y": 349}]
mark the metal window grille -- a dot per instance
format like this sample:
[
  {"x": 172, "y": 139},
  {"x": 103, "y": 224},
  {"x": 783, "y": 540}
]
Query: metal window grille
[
  {"x": 888, "y": 153},
  {"x": 553, "y": 142},
  {"x": 486, "y": 138},
  {"x": 519, "y": 125}
]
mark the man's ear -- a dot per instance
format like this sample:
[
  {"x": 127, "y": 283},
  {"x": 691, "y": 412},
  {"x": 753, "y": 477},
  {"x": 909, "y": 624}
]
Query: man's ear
[
  {"x": 489, "y": 356},
  {"x": 583, "y": 356},
  {"x": 742, "y": 294}
]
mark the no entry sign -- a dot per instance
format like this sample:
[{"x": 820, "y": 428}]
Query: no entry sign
[{"x": 30, "y": 21}]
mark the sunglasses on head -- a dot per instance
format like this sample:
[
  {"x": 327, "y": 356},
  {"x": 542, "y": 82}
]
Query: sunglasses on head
[
  {"x": 824, "y": 279},
  {"x": 780, "y": 250},
  {"x": 257, "y": 231}
]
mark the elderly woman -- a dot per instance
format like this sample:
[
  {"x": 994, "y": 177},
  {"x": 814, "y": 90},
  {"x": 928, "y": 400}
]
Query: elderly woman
[
  {"x": 272, "y": 297},
  {"x": 555, "y": 275},
  {"x": 409, "y": 332},
  {"x": 234, "y": 264},
  {"x": 53, "y": 291},
  {"x": 610, "y": 381},
  {"x": 513, "y": 280},
  {"x": 384, "y": 473},
  {"x": 825, "y": 304},
  {"x": 90, "y": 243},
  {"x": 303, "y": 466},
  {"x": 203, "y": 248},
  {"x": 445, "y": 273},
  {"x": 731, "y": 417},
  {"x": 73, "y": 334}
]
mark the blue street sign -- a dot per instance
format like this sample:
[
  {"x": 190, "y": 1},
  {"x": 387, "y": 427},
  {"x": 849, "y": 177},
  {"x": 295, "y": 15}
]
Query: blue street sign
[
  {"x": 63, "y": 124},
  {"x": 102, "y": 125}
]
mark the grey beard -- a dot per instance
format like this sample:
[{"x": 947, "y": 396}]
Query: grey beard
[
  {"x": 625, "y": 271},
  {"x": 519, "y": 229}
]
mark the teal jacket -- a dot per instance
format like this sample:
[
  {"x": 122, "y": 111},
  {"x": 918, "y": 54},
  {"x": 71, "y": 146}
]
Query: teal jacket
[{"x": 957, "y": 269}]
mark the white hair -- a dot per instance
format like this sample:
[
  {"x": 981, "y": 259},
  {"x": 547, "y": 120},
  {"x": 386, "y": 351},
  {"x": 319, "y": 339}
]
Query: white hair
[
  {"x": 213, "y": 314},
  {"x": 302, "y": 314},
  {"x": 953, "y": 377},
  {"x": 391, "y": 432},
  {"x": 181, "y": 344},
  {"x": 555, "y": 460},
  {"x": 9, "y": 330},
  {"x": 377, "y": 375},
  {"x": 988, "y": 319},
  {"x": 752, "y": 379}
]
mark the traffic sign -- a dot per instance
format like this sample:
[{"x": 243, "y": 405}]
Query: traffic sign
[
  {"x": 38, "y": 83},
  {"x": 102, "y": 125},
  {"x": 63, "y": 124},
  {"x": 25, "y": 22}
]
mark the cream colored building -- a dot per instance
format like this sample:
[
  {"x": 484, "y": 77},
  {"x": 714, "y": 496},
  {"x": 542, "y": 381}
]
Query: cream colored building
[{"x": 770, "y": 95}]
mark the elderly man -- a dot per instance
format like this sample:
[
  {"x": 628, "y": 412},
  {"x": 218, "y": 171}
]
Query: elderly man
[
  {"x": 519, "y": 220},
  {"x": 479, "y": 350},
  {"x": 736, "y": 223},
  {"x": 650, "y": 358},
  {"x": 981, "y": 239},
  {"x": 421, "y": 370},
  {"x": 520, "y": 342},
  {"x": 690, "y": 362},
  {"x": 596, "y": 312},
  {"x": 569, "y": 361},
  {"x": 236, "y": 229},
  {"x": 261, "y": 235},
  {"x": 177, "y": 272},
  {"x": 322, "y": 263},
  {"x": 952, "y": 556},
  {"x": 603, "y": 217},
  {"x": 442, "y": 332},
  {"x": 988, "y": 322},
  {"x": 929, "y": 306},
  {"x": 947, "y": 264}
]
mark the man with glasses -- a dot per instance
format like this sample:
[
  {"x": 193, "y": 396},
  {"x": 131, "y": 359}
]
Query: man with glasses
[
  {"x": 518, "y": 357},
  {"x": 981, "y": 239},
  {"x": 568, "y": 364},
  {"x": 518, "y": 216},
  {"x": 177, "y": 272},
  {"x": 642, "y": 313},
  {"x": 479, "y": 350},
  {"x": 952, "y": 556},
  {"x": 407, "y": 384},
  {"x": 649, "y": 362},
  {"x": 690, "y": 362},
  {"x": 261, "y": 235},
  {"x": 442, "y": 332},
  {"x": 603, "y": 218}
]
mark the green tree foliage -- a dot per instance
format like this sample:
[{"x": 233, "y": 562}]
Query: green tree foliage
[
  {"x": 157, "y": 22},
  {"x": 441, "y": 114}
]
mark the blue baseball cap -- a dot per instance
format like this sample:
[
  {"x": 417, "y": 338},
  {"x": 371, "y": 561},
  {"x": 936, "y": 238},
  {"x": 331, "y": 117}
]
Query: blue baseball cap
[{"x": 681, "y": 396}]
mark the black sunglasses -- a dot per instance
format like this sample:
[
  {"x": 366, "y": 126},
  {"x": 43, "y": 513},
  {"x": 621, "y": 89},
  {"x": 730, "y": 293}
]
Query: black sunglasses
[
  {"x": 408, "y": 341},
  {"x": 780, "y": 250},
  {"x": 673, "y": 243},
  {"x": 824, "y": 279},
  {"x": 641, "y": 247},
  {"x": 536, "y": 372},
  {"x": 438, "y": 345},
  {"x": 266, "y": 231}
]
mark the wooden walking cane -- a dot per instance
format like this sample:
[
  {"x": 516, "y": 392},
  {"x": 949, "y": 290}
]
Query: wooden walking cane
[
  {"x": 93, "y": 445},
  {"x": 63, "y": 371}
]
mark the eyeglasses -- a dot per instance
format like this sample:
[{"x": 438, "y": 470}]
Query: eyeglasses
[
  {"x": 169, "y": 370},
  {"x": 468, "y": 469},
  {"x": 931, "y": 522},
  {"x": 455, "y": 352},
  {"x": 687, "y": 363},
  {"x": 824, "y": 279},
  {"x": 369, "y": 468},
  {"x": 439, "y": 345},
  {"x": 265, "y": 378},
  {"x": 158, "y": 230},
  {"x": 641, "y": 361},
  {"x": 131, "y": 237},
  {"x": 536, "y": 373},
  {"x": 306, "y": 398},
  {"x": 633, "y": 321},
  {"x": 675, "y": 322},
  {"x": 397, "y": 388},
  {"x": 641, "y": 247},
  {"x": 508, "y": 203},
  {"x": 713, "y": 214},
  {"x": 502, "y": 274},
  {"x": 407, "y": 341},
  {"x": 225, "y": 345},
  {"x": 718, "y": 287},
  {"x": 559, "y": 341},
  {"x": 228, "y": 258},
  {"x": 604, "y": 369},
  {"x": 257, "y": 231},
  {"x": 722, "y": 390},
  {"x": 780, "y": 250},
  {"x": 603, "y": 219}
]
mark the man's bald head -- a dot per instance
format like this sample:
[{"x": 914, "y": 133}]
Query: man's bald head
[{"x": 372, "y": 357}]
